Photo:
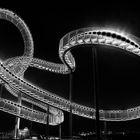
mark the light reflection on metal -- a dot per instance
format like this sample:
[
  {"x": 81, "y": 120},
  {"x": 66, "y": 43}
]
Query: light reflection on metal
[{"x": 12, "y": 71}]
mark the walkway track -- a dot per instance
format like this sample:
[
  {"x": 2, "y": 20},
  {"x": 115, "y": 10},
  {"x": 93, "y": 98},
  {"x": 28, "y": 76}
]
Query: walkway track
[
  {"x": 12, "y": 70},
  {"x": 18, "y": 67}
]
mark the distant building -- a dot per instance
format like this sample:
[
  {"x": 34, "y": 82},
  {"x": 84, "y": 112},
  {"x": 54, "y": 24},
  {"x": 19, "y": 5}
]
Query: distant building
[{"x": 24, "y": 133}]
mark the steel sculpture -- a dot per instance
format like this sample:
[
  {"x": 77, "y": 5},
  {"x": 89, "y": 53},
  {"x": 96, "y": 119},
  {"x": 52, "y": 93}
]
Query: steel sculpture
[{"x": 12, "y": 72}]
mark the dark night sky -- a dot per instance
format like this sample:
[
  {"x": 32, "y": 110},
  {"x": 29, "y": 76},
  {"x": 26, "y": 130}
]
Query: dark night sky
[{"x": 118, "y": 70}]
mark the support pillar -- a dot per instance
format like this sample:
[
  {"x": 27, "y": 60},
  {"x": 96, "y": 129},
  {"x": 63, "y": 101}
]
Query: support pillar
[
  {"x": 47, "y": 123},
  {"x": 70, "y": 99},
  {"x": 105, "y": 130},
  {"x": 17, "y": 125},
  {"x": 95, "y": 86},
  {"x": 1, "y": 90},
  {"x": 31, "y": 123},
  {"x": 60, "y": 135}
]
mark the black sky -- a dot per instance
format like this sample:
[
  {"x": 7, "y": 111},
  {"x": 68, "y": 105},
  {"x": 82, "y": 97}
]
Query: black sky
[{"x": 118, "y": 70}]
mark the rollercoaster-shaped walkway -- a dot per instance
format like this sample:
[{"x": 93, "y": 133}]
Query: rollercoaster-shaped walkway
[{"x": 12, "y": 73}]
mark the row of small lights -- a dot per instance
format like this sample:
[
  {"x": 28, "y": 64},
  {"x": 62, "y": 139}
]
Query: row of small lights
[
  {"x": 83, "y": 114},
  {"x": 10, "y": 107},
  {"x": 24, "y": 91}
]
